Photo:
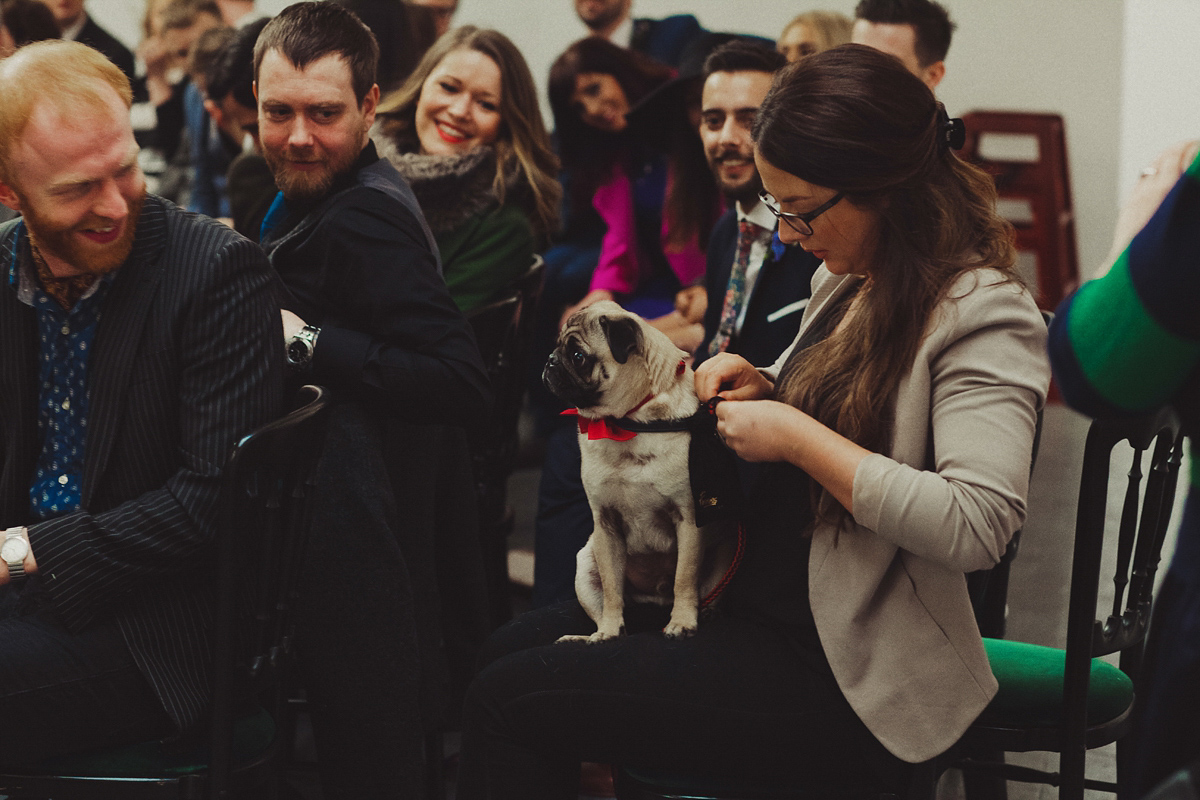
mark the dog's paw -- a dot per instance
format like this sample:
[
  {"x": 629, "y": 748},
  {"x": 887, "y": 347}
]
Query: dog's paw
[
  {"x": 604, "y": 636},
  {"x": 677, "y": 630},
  {"x": 572, "y": 638}
]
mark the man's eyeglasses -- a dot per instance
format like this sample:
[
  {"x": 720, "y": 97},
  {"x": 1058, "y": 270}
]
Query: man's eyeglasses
[{"x": 800, "y": 223}]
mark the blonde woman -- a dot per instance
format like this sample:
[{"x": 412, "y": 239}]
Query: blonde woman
[{"x": 814, "y": 32}]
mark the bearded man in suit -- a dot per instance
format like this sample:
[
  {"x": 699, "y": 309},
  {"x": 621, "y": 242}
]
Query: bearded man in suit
[
  {"x": 137, "y": 343},
  {"x": 757, "y": 287}
]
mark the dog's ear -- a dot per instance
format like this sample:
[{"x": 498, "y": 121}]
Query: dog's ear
[{"x": 624, "y": 336}]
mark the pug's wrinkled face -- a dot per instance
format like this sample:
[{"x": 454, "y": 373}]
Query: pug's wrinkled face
[{"x": 598, "y": 365}]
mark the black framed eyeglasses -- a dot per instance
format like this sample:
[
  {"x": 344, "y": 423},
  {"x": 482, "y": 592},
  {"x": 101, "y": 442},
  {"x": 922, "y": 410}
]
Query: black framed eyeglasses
[{"x": 800, "y": 223}]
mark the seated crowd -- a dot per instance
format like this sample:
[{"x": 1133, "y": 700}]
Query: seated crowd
[{"x": 364, "y": 178}]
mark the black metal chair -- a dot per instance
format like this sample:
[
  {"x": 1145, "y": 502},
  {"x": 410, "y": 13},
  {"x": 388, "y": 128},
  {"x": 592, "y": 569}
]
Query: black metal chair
[
  {"x": 1069, "y": 700},
  {"x": 504, "y": 331},
  {"x": 1066, "y": 701},
  {"x": 266, "y": 488}
]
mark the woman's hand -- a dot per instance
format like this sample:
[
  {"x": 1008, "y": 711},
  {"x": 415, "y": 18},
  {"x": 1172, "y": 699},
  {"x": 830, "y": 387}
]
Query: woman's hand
[
  {"x": 741, "y": 381},
  {"x": 1148, "y": 194},
  {"x": 768, "y": 430},
  {"x": 591, "y": 297},
  {"x": 756, "y": 430}
]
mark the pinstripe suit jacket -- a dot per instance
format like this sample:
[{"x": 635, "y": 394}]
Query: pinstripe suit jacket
[{"x": 186, "y": 358}]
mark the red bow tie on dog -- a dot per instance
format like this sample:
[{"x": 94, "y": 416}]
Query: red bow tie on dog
[{"x": 607, "y": 427}]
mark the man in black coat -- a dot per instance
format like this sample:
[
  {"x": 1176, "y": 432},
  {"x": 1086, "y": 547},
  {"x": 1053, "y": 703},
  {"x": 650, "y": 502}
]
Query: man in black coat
[
  {"x": 137, "y": 344},
  {"x": 370, "y": 317},
  {"x": 74, "y": 23}
]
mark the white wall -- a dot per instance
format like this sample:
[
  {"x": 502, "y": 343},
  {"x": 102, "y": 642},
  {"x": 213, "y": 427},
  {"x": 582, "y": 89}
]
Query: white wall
[
  {"x": 1161, "y": 102},
  {"x": 1060, "y": 56},
  {"x": 1119, "y": 71}
]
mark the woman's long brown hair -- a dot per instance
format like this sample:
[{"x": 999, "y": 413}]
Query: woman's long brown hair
[
  {"x": 522, "y": 140},
  {"x": 854, "y": 120}
]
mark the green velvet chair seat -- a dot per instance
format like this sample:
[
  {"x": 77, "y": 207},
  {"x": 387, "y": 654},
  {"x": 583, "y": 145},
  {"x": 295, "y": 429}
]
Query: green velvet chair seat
[
  {"x": 1031, "y": 687},
  {"x": 252, "y": 735}
]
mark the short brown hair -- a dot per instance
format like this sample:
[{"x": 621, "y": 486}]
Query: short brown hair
[
  {"x": 309, "y": 31},
  {"x": 930, "y": 21},
  {"x": 67, "y": 74}
]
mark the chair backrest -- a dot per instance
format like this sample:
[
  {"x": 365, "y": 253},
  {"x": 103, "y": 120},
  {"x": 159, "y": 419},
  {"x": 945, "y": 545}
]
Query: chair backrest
[
  {"x": 267, "y": 489},
  {"x": 504, "y": 332},
  {"x": 495, "y": 326},
  {"x": 1141, "y": 529},
  {"x": 510, "y": 382}
]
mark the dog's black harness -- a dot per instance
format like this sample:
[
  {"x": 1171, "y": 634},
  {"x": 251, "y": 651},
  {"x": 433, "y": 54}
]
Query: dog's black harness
[
  {"x": 716, "y": 486},
  {"x": 705, "y": 417}
]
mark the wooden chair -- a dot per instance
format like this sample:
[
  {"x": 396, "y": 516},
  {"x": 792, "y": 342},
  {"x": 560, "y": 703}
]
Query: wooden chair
[
  {"x": 266, "y": 489},
  {"x": 1042, "y": 184}
]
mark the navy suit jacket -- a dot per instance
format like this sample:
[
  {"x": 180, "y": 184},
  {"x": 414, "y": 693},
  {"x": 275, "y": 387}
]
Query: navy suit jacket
[
  {"x": 665, "y": 39},
  {"x": 187, "y": 358},
  {"x": 775, "y": 304}
]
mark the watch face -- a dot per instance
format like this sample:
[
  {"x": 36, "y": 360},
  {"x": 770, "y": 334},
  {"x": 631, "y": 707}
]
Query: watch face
[
  {"x": 297, "y": 352},
  {"x": 14, "y": 549}
]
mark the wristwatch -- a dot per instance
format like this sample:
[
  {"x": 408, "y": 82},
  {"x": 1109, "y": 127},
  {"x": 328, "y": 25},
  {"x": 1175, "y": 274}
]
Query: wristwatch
[
  {"x": 300, "y": 347},
  {"x": 13, "y": 551}
]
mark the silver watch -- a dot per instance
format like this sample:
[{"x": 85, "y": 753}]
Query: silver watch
[
  {"x": 300, "y": 347},
  {"x": 13, "y": 551}
]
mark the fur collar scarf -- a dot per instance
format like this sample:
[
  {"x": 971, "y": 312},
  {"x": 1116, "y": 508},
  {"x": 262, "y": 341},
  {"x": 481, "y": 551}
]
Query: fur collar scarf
[{"x": 450, "y": 189}]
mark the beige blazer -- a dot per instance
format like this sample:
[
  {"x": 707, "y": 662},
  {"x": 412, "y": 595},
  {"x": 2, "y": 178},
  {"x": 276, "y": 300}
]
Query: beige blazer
[{"x": 890, "y": 598}]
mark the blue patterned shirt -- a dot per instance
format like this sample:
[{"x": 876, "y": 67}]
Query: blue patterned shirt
[{"x": 65, "y": 339}]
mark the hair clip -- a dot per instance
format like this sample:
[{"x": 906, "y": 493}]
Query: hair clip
[{"x": 952, "y": 133}]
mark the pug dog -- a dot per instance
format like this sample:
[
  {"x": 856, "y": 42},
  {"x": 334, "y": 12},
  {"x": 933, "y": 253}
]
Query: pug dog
[{"x": 614, "y": 367}]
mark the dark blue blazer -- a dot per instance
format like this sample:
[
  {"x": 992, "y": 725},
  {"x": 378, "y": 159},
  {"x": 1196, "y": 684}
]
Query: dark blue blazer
[
  {"x": 187, "y": 358},
  {"x": 775, "y": 304},
  {"x": 665, "y": 39}
]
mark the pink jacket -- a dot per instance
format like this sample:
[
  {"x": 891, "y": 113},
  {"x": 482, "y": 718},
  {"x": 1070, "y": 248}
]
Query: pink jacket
[{"x": 618, "y": 269}]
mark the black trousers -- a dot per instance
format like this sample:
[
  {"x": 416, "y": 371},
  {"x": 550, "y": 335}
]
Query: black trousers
[
  {"x": 737, "y": 698},
  {"x": 62, "y": 692}
]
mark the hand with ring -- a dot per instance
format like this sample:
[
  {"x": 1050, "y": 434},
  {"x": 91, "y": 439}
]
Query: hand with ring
[{"x": 1148, "y": 193}]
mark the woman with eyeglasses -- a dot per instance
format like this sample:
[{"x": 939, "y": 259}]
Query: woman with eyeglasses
[{"x": 897, "y": 433}]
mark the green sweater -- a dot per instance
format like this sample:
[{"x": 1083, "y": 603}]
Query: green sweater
[{"x": 484, "y": 255}]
